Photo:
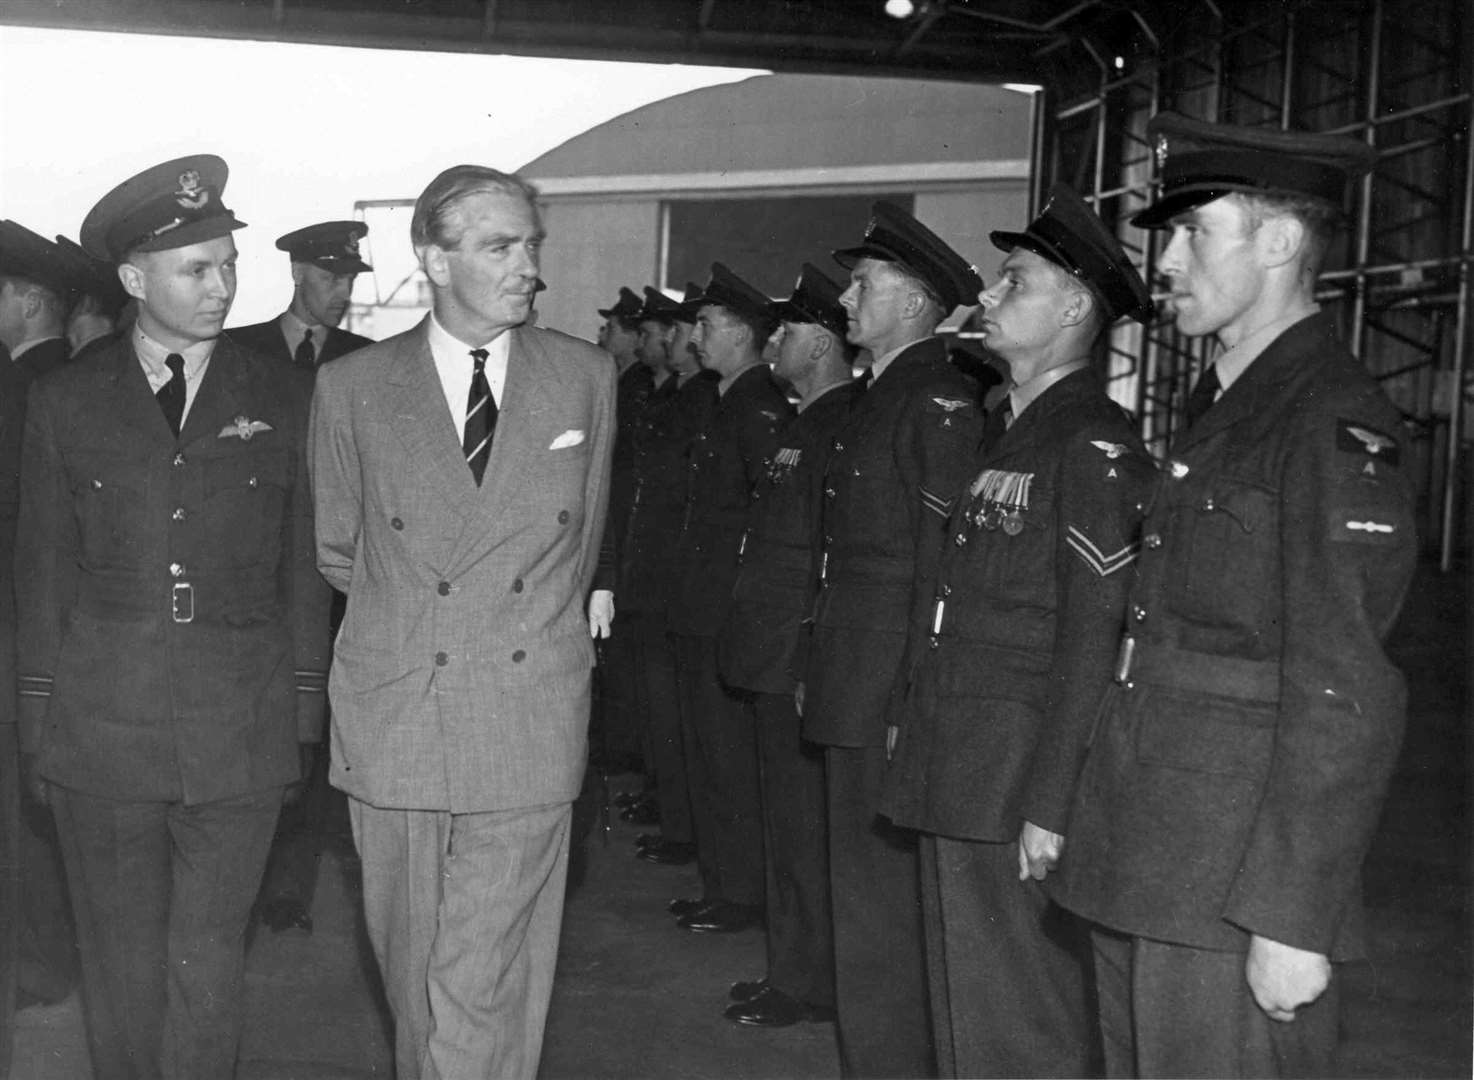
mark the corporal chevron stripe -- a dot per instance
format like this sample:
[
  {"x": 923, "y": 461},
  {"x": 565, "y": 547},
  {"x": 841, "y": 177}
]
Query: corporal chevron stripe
[
  {"x": 480, "y": 418},
  {"x": 33, "y": 685},
  {"x": 1103, "y": 564},
  {"x": 935, "y": 503},
  {"x": 311, "y": 682}
]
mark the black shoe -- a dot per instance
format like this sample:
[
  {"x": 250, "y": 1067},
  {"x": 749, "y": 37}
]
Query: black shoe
[
  {"x": 689, "y": 905},
  {"x": 746, "y": 991},
  {"x": 286, "y": 913},
  {"x": 667, "y": 853},
  {"x": 642, "y": 813},
  {"x": 625, "y": 799},
  {"x": 722, "y": 917},
  {"x": 774, "y": 1008},
  {"x": 645, "y": 839}
]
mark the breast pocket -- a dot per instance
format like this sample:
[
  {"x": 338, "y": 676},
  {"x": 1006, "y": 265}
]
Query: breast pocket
[
  {"x": 244, "y": 507},
  {"x": 110, "y": 500},
  {"x": 1224, "y": 565}
]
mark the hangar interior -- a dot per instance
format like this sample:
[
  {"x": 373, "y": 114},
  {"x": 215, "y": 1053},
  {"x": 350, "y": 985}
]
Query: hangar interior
[{"x": 1396, "y": 73}]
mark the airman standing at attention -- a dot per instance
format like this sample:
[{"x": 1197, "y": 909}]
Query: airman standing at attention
[
  {"x": 325, "y": 262},
  {"x": 896, "y": 467},
  {"x": 1240, "y": 761},
  {"x": 1012, "y": 641}
]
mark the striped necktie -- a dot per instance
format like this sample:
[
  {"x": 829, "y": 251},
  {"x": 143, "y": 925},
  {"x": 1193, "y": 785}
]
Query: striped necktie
[
  {"x": 170, "y": 396},
  {"x": 480, "y": 418}
]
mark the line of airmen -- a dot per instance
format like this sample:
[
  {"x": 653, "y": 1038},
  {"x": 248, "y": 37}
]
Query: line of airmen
[
  {"x": 884, "y": 652},
  {"x": 890, "y": 651}
]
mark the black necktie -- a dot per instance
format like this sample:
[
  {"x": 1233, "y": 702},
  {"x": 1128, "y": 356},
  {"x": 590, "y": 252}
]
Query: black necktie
[
  {"x": 1201, "y": 398},
  {"x": 866, "y": 378},
  {"x": 480, "y": 418},
  {"x": 998, "y": 421},
  {"x": 304, "y": 354},
  {"x": 171, "y": 394}
]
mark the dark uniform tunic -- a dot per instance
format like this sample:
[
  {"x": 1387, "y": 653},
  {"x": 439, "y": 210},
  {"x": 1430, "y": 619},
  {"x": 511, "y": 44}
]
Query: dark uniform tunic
[
  {"x": 267, "y": 338},
  {"x": 909, "y": 447},
  {"x": 175, "y": 653},
  {"x": 675, "y": 412},
  {"x": 757, "y": 651},
  {"x": 1010, "y": 650},
  {"x": 726, "y": 460},
  {"x": 1242, "y": 757}
]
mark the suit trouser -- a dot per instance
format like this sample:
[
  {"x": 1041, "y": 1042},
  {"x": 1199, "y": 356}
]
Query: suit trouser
[
  {"x": 795, "y": 843},
  {"x": 722, "y": 771},
  {"x": 162, "y": 893},
  {"x": 464, "y": 913},
  {"x": 658, "y": 696},
  {"x": 1172, "y": 1010},
  {"x": 1008, "y": 969},
  {"x": 879, "y": 965}
]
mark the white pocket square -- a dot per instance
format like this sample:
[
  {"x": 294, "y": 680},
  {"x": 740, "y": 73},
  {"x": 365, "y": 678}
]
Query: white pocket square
[{"x": 571, "y": 437}]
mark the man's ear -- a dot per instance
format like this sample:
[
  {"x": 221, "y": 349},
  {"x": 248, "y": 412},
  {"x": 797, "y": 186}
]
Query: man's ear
[
  {"x": 437, "y": 265},
  {"x": 297, "y": 272},
  {"x": 1078, "y": 309},
  {"x": 1279, "y": 239},
  {"x": 132, "y": 278}
]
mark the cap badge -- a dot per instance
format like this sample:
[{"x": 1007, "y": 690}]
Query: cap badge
[
  {"x": 190, "y": 195},
  {"x": 1161, "y": 151}
]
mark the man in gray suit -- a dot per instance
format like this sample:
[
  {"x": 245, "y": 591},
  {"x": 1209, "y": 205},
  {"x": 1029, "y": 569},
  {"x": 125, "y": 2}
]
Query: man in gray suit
[{"x": 461, "y": 473}]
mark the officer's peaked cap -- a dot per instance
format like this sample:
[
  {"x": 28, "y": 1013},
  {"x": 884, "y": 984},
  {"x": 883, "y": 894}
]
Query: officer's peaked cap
[
  {"x": 815, "y": 299},
  {"x": 895, "y": 236},
  {"x": 167, "y": 206}
]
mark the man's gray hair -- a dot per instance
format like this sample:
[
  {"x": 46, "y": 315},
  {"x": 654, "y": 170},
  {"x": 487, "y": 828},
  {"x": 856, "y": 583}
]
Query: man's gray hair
[{"x": 435, "y": 220}]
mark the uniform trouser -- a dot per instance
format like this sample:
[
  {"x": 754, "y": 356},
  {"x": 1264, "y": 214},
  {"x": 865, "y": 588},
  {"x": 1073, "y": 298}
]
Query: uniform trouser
[
  {"x": 301, "y": 833},
  {"x": 464, "y": 913},
  {"x": 722, "y": 771},
  {"x": 162, "y": 893},
  {"x": 879, "y": 965},
  {"x": 622, "y": 739},
  {"x": 1172, "y": 1010},
  {"x": 795, "y": 845},
  {"x": 1008, "y": 970},
  {"x": 658, "y": 695}
]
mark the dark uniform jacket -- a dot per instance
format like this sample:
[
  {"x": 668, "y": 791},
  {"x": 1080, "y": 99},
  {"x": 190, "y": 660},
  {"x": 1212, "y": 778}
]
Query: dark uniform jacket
[
  {"x": 267, "y": 338},
  {"x": 725, "y": 462},
  {"x": 176, "y": 626},
  {"x": 15, "y": 386},
  {"x": 631, "y": 394},
  {"x": 673, "y": 417},
  {"x": 908, "y": 449},
  {"x": 1012, "y": 641},
  {"x": 777, "y": 564},
  {"x": 1240, "y": 762}
]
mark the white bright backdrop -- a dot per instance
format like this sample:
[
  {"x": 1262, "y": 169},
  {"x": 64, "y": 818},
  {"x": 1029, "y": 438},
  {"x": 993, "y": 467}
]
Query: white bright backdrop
[{"x": 306, "y": 129}]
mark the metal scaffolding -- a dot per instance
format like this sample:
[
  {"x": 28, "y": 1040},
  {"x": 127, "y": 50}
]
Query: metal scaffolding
[{"x": 1395, "y": 73}]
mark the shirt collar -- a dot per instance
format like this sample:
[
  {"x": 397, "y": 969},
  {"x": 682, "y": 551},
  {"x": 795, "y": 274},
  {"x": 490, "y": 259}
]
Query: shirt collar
[
  {"x": 152, "y": 355},
  {"x": 1232, "y": 363},
  {"x": 877, "y": 368},
  {"x": 26, "y": 346},
  {"x": 725, "y": 383},
  {"x": 445, "y": 344},
  {"x": 819, "y": 392},
  {"x": 293, "y": 328},
  {"x": 1021, "y": 397}
]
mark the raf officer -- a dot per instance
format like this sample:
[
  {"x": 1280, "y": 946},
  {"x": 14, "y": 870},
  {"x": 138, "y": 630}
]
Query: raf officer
[
  {"x": 176, "y": 645},
  {"x": 1240, "y": 762},
  {"x": 896, "y": 466},
  {"x": 728, "y": 455},
  {"x": 1010, "y": 648},
  {"x": 761, "y": 648},
  {"x": 325, "y": 262}
]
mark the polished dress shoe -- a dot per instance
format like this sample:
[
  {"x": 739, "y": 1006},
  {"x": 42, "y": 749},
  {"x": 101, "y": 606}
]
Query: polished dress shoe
[
  {"x": 646, "y": 812},
  {"x": 688, "y": 905},
  {"x": 286, "y": 913},
  {"x": 667, "y": 853},
  {"x": 625, "y": 799},
  {"x": 747, "y": 990},
  {"x": 722, "y": 917},
  {"x": 774, "y": 1008},
  {"x": 645, "y": 839}
]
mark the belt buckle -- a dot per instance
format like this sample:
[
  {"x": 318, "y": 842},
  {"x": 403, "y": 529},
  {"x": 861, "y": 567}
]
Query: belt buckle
[{"x": 181, "y": 599}]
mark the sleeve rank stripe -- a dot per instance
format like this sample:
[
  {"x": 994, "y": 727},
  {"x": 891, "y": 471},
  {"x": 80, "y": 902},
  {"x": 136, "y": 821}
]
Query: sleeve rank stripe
[
  {"x": 34, "y": 685},
  {"x": 311, "y": 682},
  {"x": 935, "y": 503},
  {"x": 1097, "y": 560}
]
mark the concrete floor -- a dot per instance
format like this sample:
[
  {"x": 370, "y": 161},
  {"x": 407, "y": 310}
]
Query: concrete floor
[{"x": 636, "y": 997}]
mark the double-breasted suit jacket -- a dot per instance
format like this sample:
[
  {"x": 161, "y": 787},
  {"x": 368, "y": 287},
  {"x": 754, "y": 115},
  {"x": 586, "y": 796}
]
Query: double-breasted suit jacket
[
  {"x": 461, "y": 674},
  {"x": 1240, "y": 762},
  {"x": 1012, "y": 641},
  {"x": 176, "y": 628},
  {"x": 764, "y": 636},
  {"x": 908, "y": 448},
  {"x": 725, "y": 461},
  {"x": 267, "y": 337}
]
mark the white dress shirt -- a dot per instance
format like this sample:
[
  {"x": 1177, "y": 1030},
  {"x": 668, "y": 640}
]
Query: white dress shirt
[
  {"x": 454, "y": 364},
  {"x": 152, "y": 356}
]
